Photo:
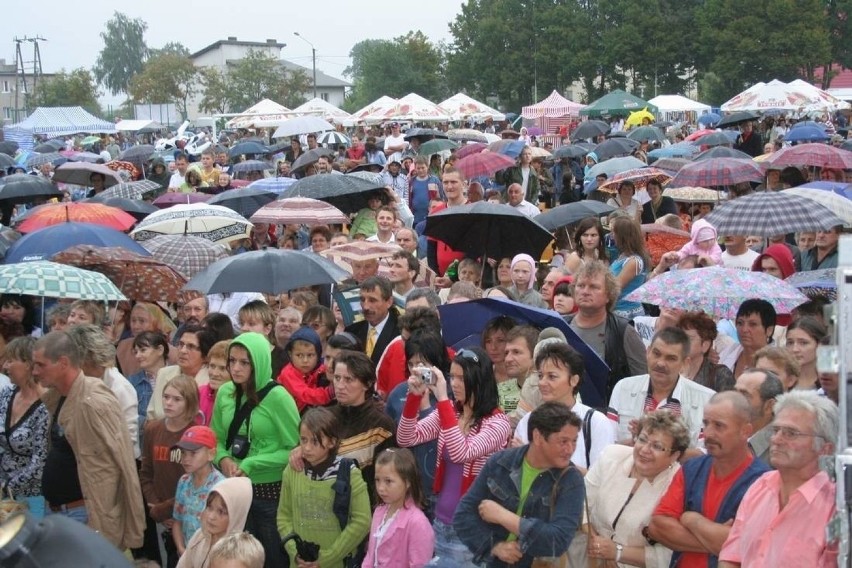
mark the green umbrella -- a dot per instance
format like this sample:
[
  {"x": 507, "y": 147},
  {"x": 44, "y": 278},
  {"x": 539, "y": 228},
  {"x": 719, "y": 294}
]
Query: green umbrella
[
  {"x": 89, "y": 140},
  {"x": 435, "y": 146},
  {"x": 617, "y": 103},
  {"x": 53, "y": 280}
]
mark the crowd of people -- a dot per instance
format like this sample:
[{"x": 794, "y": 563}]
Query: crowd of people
[{"x": 267, "y": 430}]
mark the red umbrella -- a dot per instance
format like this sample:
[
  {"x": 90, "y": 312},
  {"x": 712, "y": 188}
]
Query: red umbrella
[
  {"x": 80, "y": 212},
  {"x": 815, "y": 155},
  {"x": 177, "y": 198},
  {"x": 469, "y": 149},
  {"x": 120, "y": 165},
  {"x": 699, "y": 133},
  {"x": 717, "y": 171},
  {"x": 483, "y": 164}
]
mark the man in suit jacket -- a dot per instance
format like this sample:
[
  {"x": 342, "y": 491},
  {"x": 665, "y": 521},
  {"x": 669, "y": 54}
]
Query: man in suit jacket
[{"x": 380, "y": 317}]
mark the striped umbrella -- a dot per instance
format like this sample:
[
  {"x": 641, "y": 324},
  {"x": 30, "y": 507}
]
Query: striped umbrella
[
  {"x": 639, "y": 176},
  {"x": 360, "y": 250},
  {"x": 130, "y": 189},
  {"x": 274, "y": 184},
  {"x": 333, "y": 138},
  {"x": 45, "y": 279},
  {"x": 717, "y": 171},
  {"x": 36, "y": 160},
  {"x": 771, "y": 213},
  {"x": 814, "y": 155},
  {"x": 187, "y": 254},
  {"x": 813, "y": 283},
  {"x": 299, "y": 210},
  {"x": 483, "y": 164},
  {"x": 468, "y": 149},
  {"x": 841, "y": 206}
]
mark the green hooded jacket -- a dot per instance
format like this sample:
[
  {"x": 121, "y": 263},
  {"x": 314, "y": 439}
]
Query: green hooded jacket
[{"x": 274, "y": 425}]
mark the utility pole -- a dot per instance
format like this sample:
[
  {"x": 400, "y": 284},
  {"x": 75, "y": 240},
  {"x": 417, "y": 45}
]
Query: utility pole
[
  {"x": 20, "y": 75},
  {"x": 37, "y": 71},
  {"x": 314, "y": 57}
]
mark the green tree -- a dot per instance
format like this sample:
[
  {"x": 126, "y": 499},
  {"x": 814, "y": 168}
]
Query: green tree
[
  {"x": 173, "y": 47},
  {"x": 260, "y": 76},
  {"x": 124, "y": 52},
  {"x": 77, "y": 88},
  {"x": 166, "y": 78},
  {"x": 839, "y": 16},
  {"x": 215, "y": 89}
]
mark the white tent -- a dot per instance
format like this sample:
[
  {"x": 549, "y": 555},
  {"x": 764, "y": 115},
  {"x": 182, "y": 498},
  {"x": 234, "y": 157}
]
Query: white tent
[
  {"x": 825, "y": 100},
  {"x": 677, "y": 107},
  {"x": 141, "y": 126},
  {"x": 775, "y": 95},
  {"x": 461, "y": 107},
  {"x": 418, "y": 109},
  {"x": 264, "y": 111},
  {"x": 55, "y": 121},
  {"x": 374, "y": 111},
  {"x": 323, "y": 109}
]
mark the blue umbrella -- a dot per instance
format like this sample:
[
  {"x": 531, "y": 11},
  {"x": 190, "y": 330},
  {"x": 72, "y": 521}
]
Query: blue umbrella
[
  {"x": 511, "y": 148},
  {"x": 808, "y": 123},
  {"x": 844, "y": 189},
  {"x": 248, "y": 148},
  {"x": 822, "y": 282},
  {"x": 462, "y": 325},
  {"x": 709, "y": 118},
  {"x": 679, "y": 150},
  {"x": 274, "y": 184},
  {"x": 44, "y": 243},
  {"x": 806, "y": 134}
]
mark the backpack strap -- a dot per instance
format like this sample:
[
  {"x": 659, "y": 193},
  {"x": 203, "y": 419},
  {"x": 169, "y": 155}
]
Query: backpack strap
[
  {"x": 243, "y": 413},
  {"x": 342, "y": 492}
]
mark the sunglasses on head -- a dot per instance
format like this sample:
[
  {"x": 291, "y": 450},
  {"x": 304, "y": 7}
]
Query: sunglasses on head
[{"x": 468, "y": 354}]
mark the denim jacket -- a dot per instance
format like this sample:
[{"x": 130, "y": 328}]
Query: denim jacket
[{"x": 544, "y": 533}]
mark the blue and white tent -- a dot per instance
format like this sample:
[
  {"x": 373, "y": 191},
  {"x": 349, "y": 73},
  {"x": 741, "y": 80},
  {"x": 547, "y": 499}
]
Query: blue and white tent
[{"x": 55, "y": 121}]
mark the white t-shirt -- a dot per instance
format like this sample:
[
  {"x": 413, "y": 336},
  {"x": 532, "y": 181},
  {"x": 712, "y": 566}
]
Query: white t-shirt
[
  {"x": 176, "y": 180},
  {"x": 391, "y": 141},
  {"x": 740, "y": 261}
]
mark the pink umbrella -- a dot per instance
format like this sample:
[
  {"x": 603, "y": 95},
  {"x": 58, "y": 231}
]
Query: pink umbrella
[
  {"x": 168, "y": 199},
  {"x": 699, "y": 133},
  {"x": 484, "y": 164},
  {"x": 815, "y": 155},
  {"x": 469, "y": 149}
]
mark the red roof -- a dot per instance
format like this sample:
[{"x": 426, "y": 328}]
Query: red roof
[{"x": 842, "y": 78}]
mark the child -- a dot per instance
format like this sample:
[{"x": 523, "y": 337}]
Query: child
[
  {"x": 217, "y": 370},
  {"x": 226, "y": 511},
  {"x": 301, "y": 376},
  {"x": 703, "y": 244},
  {"x": 257, "y": 316},
  {"x": 198, "y": 450},
  {"x": 365, "y": 220},
  {"x": 237, "y": 550},
  {"x": 306, "y": 506},
  {"x": 400, "y": 534}
]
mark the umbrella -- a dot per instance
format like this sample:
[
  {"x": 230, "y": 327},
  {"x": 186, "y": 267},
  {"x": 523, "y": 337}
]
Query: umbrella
[
  {"x": 679, "y": 150},
  {"x": 436, "y": 145},
  {"x": 43, "y": 244},
  {"x": 636, "y": 118},
  {"x": 709, "y": 119},
  {"x": 36, "y": 160},
  {"x": 806, "y": 134},
  {"x": 23, "y": 188},
  {"x": 8, "y": 147},
  {"x": 79, "y": 173},
  {"x": 6, "y": 161},
  {"x": 214, "y": 222},
  {"x": 717, "y": 291},
  {"x": 771, "y": 213},
  {"x": 187, "y": 254},
  {"x": 244, "y": 201},
  {"x": 814, "y": 283},
  {"x": 467, "y": 135},
  {"x": 463, "y": 323},
  {"x": 178, "y": 198},
  {"x": 511, "y": 148},
  {"x": 140, "y": 278},
  {"x": 89, "y": 140},
  {"x": 251, "y": 166},
  {"x": 721, "y": 152},
  {"x": 615, "y": 147},
  {"x": 483, "y": 164},
  {"x": 490, "y": 230},
  {"x": 138, "y": 155},
  {"x": 842, "y": 189},
  {"x": 95, "y": 213},
  {"x": 45, "y": 148},
  {"x": 247, "y": 148},
  {"x": 359, "y": 251},
  {"x": 130, "y": 189},
  {"x": 138, "y": 209},
  {"x": 671, "y": 165},
  {"x": 534, "y": 131},
  {"x": 53, "y": 280},
  {"x": 813, "y": 155},
  {"x": 838, "y": 204},
  {"x": 737, "y": 118},
  {"x": 274, "y": 184},
  {"x": 614, "y": 166},
  {"x": 468, "y": 149},
  {"x": 847, "y": 146},
  {"x": 299, "y": 211},
  {"x": 716, "y": 172},
  {"x": 692, "y": 194},
  {"x": 713, "y": 139},
  {"x": 618, "y": 134},
  {"x": 570, "y": 213},
  {"x": 649, "y": 133},
  {"x": 8, "y": 237},
  {"x": 639, "y": 176},
  {"x": 310, "y": 157},
  {"x": 349, "y": 193},
  {"x": 423, "y": 134},
  {"x": 302, "y": 125},
  {"x": 271, "y": 271},
  {"x": 572, "y": 151},
  {"x": 130, "y": 168},
  {"x": 333, "y": 138},
  {"x": 590, "y": 129},
  {"x": 89, "y": 157},
  {"x": 536, "y": 152}
]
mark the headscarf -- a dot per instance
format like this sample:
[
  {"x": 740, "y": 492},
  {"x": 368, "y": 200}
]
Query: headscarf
[{"x": 525, "y": 257}]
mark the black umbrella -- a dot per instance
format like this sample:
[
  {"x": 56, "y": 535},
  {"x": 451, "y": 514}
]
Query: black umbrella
[
  {"x": 44, "y": 148},
  {"x": 590, "y": 129},
  {"x": 251, "y": 166},
  {"x": 714, "y": 139},
  {"x": 720, "y": 152},
  {"x": 570, "y": 213},
  {"x": 8, "y": 147},
  {"x": 619, "y": 134},
  {"x": 54, "y": 158},
  {"x": 737, "y": 118},
  {"x": 244, "y": 200},
  {"x": 134, "y": 207},
  {"x": 6, "y": 161},
  {"x": 271, "y": 271},
  {"x": 572, "y": 151},
  {"x": 615, "y": 147},
  {"x": 8, "y": 237},
  {"x": 488, "y": 229},
  {"x": 248, "y": 148},
  {"x": 424, "y": 133},
  {"x": 23, "y": 188},
  {"x": 349, "y": 193},
  {"x": 310, "y": 157},
  {"x": 137, "y": 155}
]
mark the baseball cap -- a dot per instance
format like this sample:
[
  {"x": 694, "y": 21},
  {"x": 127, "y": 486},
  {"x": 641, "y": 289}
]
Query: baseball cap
[
  {"x": 394, "y": 125},
  {"x": 196, "y": 438}
]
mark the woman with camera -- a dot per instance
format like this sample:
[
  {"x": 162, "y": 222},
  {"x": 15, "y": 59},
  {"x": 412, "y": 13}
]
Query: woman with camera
[
  {"x": 468, "y": 431},
  {"x": 256, "y": 426}
]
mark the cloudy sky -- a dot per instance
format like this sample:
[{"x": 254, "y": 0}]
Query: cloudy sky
[{"x": 73, "y": 29}]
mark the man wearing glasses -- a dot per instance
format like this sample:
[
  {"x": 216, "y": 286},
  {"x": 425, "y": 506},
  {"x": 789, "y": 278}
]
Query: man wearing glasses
[{"x": 782, "y": 518}]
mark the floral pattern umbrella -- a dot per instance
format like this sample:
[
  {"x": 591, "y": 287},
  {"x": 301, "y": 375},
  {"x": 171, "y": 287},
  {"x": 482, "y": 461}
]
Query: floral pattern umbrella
[
  {"x": 692, "y": 194},
  {"x": 53, "y": 280},
  {"x": 717, "y": 291},
  {"x": 214, "y": 222}
]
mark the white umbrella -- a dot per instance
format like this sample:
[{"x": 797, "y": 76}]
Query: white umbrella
[
  {"x": 301, "y": 125},
  {"x": 213, "y": 222}
]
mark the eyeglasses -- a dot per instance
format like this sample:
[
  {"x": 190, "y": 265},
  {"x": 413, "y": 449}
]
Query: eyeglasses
[
  {"x": 642, "y": 440},
  {"x": 788, "y": 434},
  {"x": 188, "y": 346},
  {"x": 468, "y": 354}
]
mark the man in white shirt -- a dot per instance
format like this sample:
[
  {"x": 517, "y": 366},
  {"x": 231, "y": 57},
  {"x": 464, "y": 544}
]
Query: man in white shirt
[
  {"x": 515, "y": 195},
  {"x": 230, "y": 304},
  {"x": 395, "y": 144},
  {"x": 737, "y": 254},
  {"x": 385, "y": 219},
  {"x": 177, "y": 179}
]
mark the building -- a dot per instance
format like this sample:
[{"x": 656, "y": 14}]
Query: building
[
  {"x": 223, "y": 53},
  {"x": 12, "y": 111}
]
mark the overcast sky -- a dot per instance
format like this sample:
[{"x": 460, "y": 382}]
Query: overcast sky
[{"x": 72, "y": 30}]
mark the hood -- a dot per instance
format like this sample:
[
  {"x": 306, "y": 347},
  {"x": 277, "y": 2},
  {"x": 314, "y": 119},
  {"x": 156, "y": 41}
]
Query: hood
[
  {"x": 698, "y": 226},
  {"x": 780, "y": 254},
  {"x": 593, "y": 156},
  {"x": 261, "y": 357},
  {"x": 237, "y": 494},
  {"x": 158, "y": 161},
  {"x": 306, "y": 333}
]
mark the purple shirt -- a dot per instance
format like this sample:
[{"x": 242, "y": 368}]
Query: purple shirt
[{"x": 450, "y": 495}]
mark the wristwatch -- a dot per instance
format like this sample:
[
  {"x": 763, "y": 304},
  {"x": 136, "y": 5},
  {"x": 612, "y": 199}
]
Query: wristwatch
[
  {"x": 619, "y": 548},
  {"x": 647, "y": 536}
]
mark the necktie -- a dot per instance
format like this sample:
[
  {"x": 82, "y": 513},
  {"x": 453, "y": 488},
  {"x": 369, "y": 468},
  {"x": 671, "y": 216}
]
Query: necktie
[{"x": 371, "y": 341}]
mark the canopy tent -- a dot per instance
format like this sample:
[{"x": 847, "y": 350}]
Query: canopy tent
[
  {"x": 416, "y": 108},
  {"x": 267, "y": 111},
  {"x": 617, "y": 103},
  {"x": 554, "y": 106},
  {"x": 55, "y": 121},
  {"x": 462, "y": 107},
  {"x": 323, "y": 109},
  {"x": 825, "y": 101},
  {"x": 775, "y": 95},
  {"x": 374, "y": 111},
  {"x": 677, "y": 108},
  {"x": 139, "y": 126}
]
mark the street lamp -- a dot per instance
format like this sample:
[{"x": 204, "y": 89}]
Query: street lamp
[{"x": 314, "y": 54}]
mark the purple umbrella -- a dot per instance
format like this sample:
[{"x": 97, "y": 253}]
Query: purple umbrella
[{"x": 168, "y": 199}]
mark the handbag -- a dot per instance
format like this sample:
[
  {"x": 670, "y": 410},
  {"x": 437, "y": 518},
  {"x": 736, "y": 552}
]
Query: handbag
[
  {"x": 561, "y": 561},
  {"x": 10, "y": 507}
]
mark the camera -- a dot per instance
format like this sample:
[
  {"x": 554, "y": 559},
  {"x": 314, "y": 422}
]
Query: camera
[
  {"x": 240, "y": 447},
  {"x": 426, "y": 375}
]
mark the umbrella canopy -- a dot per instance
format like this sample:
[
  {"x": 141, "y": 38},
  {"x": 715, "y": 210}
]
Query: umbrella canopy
[
  {"x": 717, "y": 291},
  {"x": 538, "y": 152},
  {"x": 692, "y": 194},
  {"x": 736, "y": 118},
  {"x": 8, "y": 237},
  {"x": 176, "y": 198},
  {"x": 349, "y": 193},
  {"x": 813, "y": 155},
  {"x": 43, "y": 244},
  {"x": 615, "y": 147},
  {"x": 488, "y": 229},
  {"x": 617, "y": 103},
  {"x": 816, "y": 283},
  {"x": 301, "y": 211},
  {"x": 118, "y": 166},
  {"x": 45, "y": 148},
  {"x": 461, "y": 107},
  {"x": 571, "y": 151},
  {"x": 423, "y": 134},
  {"x": 713, "y": 139},
  {"x": 671, "y": 165},
  {"x": 302, "y": 125},
  {"x": 416, "y": 108},
  {"x": 187, "y": 254},
  {"x": 774, "y": 95},
  {"x": 638, "y": 117},
  {"x": 252, "y": 166},
  {"x": 310, "y": 157},
  {"x": 130, "y": 189},
  {"x": 359, "y": 251},
  {"x": 589, "y": 129},
  {"x": 276, "y": 185},
  {"x": 717, "y": 171},
  {"x": 89, "y": 157},
  {"x": 8, "y": 147},
  {"x": 615, "y": 166},
  {"x": 639, "y": 176},
  {"x": 467, "y": 135},
  {"x": 511, "y": 148},
  {"x": 79, "y": 173},
  {"x": 138, "y": 155},
  {"x": 436, "y": 145},
  {"x": 95, "y": 213},
  {"x": 214, "y": 222},
  {"x": 679, "y": 150},
  {"x": 35, "y": 160},
  {"x": 807, "y": 134},
  {"x": 649, "y": 133},
  {"x": 271, "y": 271},
  {"x": 244, "y": 200},
  {"x": 333, "y": 138},
  {"x": 570, "y": 213},
  {"x": 140, "y": 278},
  {"x": 45, "y": 279},
  {"x": 838, "y": 204},
  {"x": 248, "y": 149},
  {"x": 6, "y": 161},
  {"x": 483, "y": 164},
  {"x": 137, "y": 209},
  {"x": 23, "y": 188},
  {"x": 472, "y": 148},
  {"x": 842, "y": 189},
  {"x": 771, "y": 213},
  {"x": 709, "y": 118},
  {"x": 721, "y": 152}
]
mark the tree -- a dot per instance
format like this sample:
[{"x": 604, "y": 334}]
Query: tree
[
  {"x": 173, "y": 47},
  {"x": 261, "y": 76},
  {"x": 77, "y": 88},
  {"x": 166, "y": 78},
  {"x": 124, "y": 52},
  {"x": 215, "y": 89}
]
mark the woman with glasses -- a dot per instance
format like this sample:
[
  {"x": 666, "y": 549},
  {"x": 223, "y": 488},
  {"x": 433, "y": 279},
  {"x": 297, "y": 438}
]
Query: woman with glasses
[
  {"x": 623, "y": 488},
  {"x": 468, "y": 431},
  {"x": 192, "y": 348}
]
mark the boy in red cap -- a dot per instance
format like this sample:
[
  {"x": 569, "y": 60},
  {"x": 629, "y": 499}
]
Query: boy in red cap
[{"x": 198, "y": 449}]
